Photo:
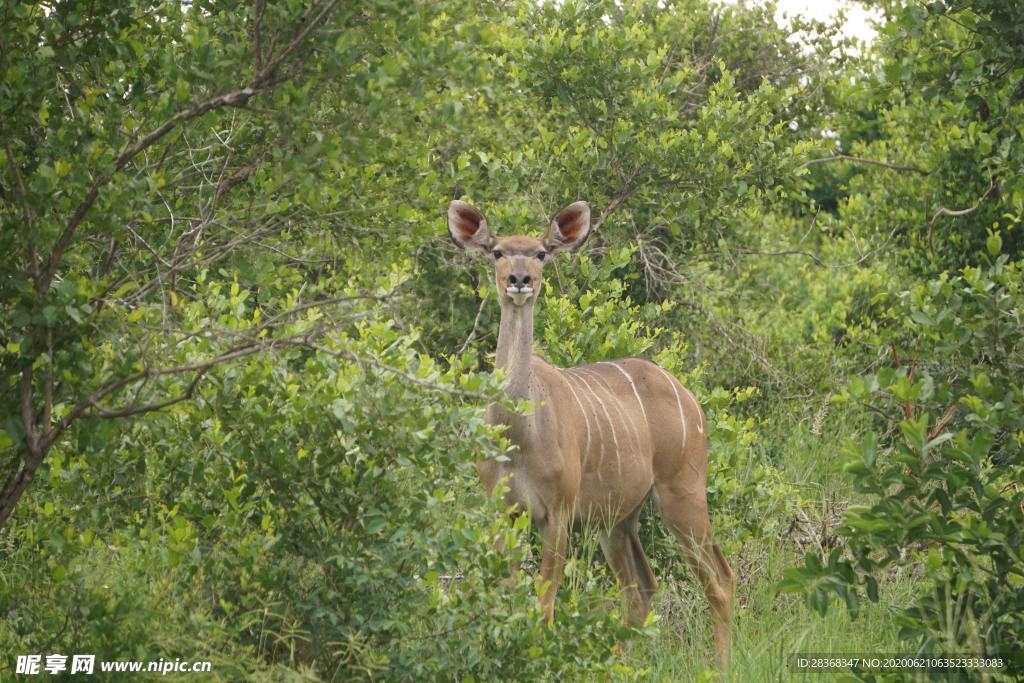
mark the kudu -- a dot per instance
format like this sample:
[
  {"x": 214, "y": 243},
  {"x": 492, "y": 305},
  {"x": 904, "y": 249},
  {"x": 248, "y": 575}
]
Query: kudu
[{"x": 600, "y": 437}]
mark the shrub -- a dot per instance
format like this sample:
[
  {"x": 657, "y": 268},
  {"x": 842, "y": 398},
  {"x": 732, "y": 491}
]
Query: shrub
[{"x": 942, "y": 473}]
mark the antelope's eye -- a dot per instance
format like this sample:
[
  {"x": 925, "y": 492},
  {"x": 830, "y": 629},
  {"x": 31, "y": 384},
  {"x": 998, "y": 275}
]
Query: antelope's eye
[
  {"x": 496, "y": 254},
  {"x": 541, "y": 255}
]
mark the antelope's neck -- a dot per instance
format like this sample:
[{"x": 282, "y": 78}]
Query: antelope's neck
[{"x": 515, "y": 347}]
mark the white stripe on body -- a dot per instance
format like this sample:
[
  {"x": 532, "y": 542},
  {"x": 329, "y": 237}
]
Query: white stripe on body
[
  {"x": 679, "y": 403},
  {"x": 615, "y": 439},
  {"x": 618, "y": 405},
  {"x": 586, "y": 394},
  {"x": 632, "y": 386},
  {"x": 700, "y": 421},
  {"x": 586, "y": 417},
  {"x": 636, "y": 393}
]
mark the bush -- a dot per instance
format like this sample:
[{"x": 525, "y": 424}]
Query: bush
[
  {"x": 331, "y": 520},
  {"x": 942, "y": 474}
]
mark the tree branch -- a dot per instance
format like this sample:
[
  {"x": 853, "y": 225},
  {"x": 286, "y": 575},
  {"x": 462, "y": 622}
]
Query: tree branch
[
  {"x": 476, "y": 323},
  {"x": 266, "y": 75},
  {"x": 615, "y": 203},
  {"x": 135, "y": 409},
  {"x": 814, "y": 257},
  {"x": 263, "y": 81},
  {"x": 21, "y": 476},
  {"x": 252, "y": 343},
  {"x": 257, "y": 33},
  {"x": 92, "y": 402},
  {"x": 943, "y": 211},
  {"x": 227, "y": 99},
  {"x": 943, "y": 421},
  {"x": 28, "y": 418},
  {"x": 26, "y": 213}
]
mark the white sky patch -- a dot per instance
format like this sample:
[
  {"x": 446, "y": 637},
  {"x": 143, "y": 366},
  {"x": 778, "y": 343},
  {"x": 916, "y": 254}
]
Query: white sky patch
[
  {"x": 856, "y": 25},
  {"x": 858, "y": 18}
]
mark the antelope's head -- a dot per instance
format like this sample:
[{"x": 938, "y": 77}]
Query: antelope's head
[{"x": 518, "y": 259}]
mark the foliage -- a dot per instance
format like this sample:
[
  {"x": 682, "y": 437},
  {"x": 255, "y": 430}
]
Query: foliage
[
  {"x": 940, "y": 472},
  {"x": 244, "y": 372},
  {"x": 943, "y": 480},
  {"x": 176, "y": 227},
  {"x": 301, "y": 525},
  {"x": 941, "y": 104}
]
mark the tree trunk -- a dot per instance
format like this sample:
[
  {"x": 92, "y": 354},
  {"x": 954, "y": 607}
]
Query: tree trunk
[{"x": 16, "y": 483}]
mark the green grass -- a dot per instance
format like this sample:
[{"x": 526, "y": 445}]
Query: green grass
[{"x": 767, "y": 628}]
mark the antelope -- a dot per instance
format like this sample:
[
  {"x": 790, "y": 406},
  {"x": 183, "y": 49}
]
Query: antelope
[{"x": 600, "y": 437}]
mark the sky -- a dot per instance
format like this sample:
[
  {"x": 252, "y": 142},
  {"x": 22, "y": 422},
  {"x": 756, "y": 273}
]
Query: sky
[{"x": 858, "y": 20}]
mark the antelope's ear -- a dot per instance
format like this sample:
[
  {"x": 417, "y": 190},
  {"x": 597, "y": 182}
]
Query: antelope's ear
[
  {"x": 468, "y": 227},
  {"x": 569, "y": 228}
]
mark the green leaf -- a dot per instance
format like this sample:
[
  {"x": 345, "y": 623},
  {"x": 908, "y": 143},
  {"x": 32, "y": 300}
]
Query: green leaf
[{"x": 871, "y": 586}]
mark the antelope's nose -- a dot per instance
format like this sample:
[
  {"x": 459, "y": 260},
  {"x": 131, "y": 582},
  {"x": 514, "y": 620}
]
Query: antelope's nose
[{"x": 518, "y": 280}]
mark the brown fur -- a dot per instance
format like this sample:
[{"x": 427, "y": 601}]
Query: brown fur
[{"x": 600, "y": 439}]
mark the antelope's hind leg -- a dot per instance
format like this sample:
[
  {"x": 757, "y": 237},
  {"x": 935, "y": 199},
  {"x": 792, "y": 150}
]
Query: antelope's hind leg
[
  {"x": 687, "y": 517},
  {"x": 622, "y": 548}
]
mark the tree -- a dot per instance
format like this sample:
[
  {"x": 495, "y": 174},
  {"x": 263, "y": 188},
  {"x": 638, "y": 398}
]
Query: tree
[
  {"x": 942, "y": 109},
  {"x": 145, "y": 144},
  {"x": 248, "y": 376}
]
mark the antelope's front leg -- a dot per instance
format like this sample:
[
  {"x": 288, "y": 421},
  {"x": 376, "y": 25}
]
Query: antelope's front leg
[{"x": 555, "y": 542}]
